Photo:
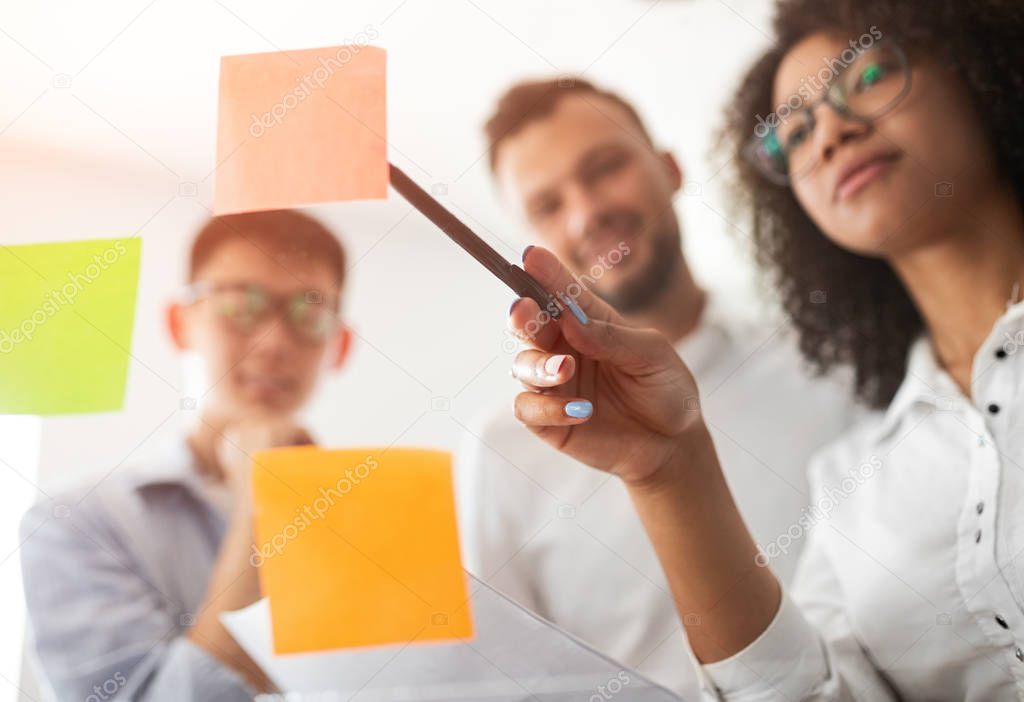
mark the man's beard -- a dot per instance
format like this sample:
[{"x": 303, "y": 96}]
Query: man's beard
[{"x": 641, "y": 290}]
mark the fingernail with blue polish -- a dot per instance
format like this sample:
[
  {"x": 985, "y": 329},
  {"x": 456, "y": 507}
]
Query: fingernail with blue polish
[
  {"x": 577, "y": 312},
  {"x": 579, "y": 409},
  {"x": 513, "y": 305},
  {"x": 526, "y": 251}
]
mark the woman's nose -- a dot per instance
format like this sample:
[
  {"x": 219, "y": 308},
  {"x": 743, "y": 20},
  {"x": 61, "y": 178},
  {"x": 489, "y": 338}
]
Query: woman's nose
[{"x": 832, "y": 129}]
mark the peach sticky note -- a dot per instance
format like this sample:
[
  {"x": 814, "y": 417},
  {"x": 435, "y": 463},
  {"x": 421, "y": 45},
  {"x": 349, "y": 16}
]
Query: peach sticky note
[
  {"x": 301, "y": 127},
  {"x": 358, "y": 547}
]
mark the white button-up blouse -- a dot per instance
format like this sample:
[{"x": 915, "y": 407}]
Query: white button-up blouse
[{"x": 912, "y": 581}]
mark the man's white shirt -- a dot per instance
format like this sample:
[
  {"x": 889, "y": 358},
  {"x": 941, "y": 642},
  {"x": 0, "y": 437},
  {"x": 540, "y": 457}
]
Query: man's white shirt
[{"x": 564, "y": 540}]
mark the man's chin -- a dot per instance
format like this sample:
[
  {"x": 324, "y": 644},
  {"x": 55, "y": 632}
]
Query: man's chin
[{"x": 640, "y": 290}]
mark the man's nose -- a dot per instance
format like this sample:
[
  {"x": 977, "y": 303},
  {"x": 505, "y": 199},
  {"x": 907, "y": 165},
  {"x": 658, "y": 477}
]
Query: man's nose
[
  {"x": 580, "y": 210},
  {"x": 272, "y": 337}
]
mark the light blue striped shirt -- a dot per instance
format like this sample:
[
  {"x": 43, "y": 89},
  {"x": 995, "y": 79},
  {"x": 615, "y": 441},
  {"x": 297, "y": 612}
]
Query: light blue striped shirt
[{"x": 114, "y": 574}]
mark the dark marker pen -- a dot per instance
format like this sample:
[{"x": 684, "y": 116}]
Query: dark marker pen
[{"x": 521, "y": 282}]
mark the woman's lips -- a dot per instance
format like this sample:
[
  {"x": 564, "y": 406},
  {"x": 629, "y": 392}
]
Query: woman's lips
[{"x": 863, "y": 174}]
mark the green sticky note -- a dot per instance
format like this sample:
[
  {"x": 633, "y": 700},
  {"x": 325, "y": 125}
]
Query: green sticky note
[{"x": 66, "y": 316}]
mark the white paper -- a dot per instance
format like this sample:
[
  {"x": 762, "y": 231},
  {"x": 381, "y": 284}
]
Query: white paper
[{"x": 514, "y": 655}]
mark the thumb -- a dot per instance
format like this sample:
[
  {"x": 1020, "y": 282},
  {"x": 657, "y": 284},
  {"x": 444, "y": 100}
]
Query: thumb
[
  {"x": 603, "y": 334},
  {"x": 628, "y": 348}
]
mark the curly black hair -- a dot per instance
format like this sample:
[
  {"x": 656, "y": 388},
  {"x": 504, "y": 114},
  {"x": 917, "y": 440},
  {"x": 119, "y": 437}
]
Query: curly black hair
[{"x": 849, "y": 308}]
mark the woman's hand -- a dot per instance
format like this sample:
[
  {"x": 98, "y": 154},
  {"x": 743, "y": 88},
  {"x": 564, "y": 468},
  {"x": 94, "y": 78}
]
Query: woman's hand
[{"x": 642, "y": 400}]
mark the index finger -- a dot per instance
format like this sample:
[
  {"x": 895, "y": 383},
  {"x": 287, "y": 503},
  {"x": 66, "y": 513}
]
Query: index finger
[
  {"x": 547, "y": 270},
  {"x": 532, "y": 325}
]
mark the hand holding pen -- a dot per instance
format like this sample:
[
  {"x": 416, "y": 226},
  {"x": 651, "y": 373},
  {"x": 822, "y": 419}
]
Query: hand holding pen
[{"x": 606, "y": 393}]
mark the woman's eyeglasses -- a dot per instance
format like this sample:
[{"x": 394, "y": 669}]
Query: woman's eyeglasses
[
  {"x": 245, "y": 306},
  {"x": 865, "y": 89}
]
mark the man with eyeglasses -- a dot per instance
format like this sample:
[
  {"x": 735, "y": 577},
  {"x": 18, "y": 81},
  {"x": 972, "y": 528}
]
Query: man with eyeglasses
[
  {"x": 124, "y": 593},
  {"x": 582, "y": 173}
]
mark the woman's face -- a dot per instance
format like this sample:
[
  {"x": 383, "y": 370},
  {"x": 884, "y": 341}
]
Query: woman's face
[{"x": 899, "y": 182}]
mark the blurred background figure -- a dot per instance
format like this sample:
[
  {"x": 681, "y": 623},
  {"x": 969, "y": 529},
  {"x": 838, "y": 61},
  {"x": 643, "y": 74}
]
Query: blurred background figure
[{"x": 126, "y": 578}]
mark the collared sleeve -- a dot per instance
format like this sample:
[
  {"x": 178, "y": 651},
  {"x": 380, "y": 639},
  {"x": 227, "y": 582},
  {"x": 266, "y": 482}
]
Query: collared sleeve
[
  {"x": 786, "y": 662},
  {"x": 100, "y": 627},
  {"x": 808, "y": 652}
]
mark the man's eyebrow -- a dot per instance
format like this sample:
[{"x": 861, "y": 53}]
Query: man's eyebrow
[
  {"x": 536, "y": 198},
  {"x": 596, "y": 153}
]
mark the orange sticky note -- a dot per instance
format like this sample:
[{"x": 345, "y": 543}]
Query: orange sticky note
[
  {"x": 301, "y": 127},
  {"x": 358, "y": 547}
]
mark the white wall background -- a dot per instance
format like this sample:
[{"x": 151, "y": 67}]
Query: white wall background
[{"x": 108, "y": 108}]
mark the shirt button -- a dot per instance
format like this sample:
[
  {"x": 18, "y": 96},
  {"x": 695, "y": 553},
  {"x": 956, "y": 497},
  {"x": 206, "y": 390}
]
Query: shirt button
[
  {"x": 1019, "y": 654},
  {"x": 1002, "y": 622},
  {"x": 980, "y": 507},
  {"x": 1000, "y": 354},
  {"x": 993, "y": 408}
]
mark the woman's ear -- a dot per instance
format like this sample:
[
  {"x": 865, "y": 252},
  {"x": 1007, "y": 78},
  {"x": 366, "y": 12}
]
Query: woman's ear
[
  {"x": 341, "y": 347},
  {"x": 174, "y": 317}
]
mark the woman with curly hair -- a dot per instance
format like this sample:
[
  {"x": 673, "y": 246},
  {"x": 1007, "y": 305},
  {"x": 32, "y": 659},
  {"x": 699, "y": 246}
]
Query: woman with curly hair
[{"x": 882, "y": 158}]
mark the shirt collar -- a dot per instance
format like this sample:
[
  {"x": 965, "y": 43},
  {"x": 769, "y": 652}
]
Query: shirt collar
[
  {"x": 927, "y": 382},
  {"x": 922, "y": 375},
  {"x": 172, "y": 464}
]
